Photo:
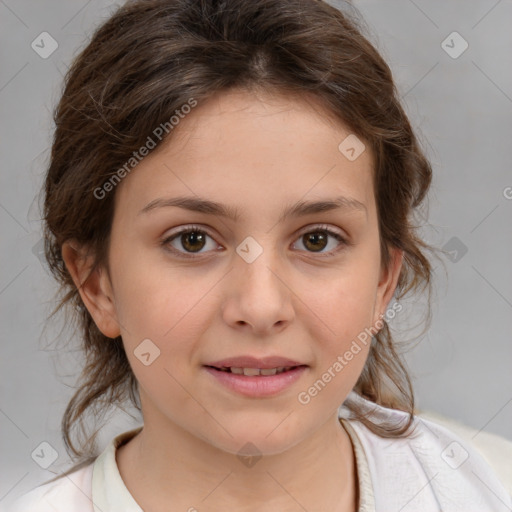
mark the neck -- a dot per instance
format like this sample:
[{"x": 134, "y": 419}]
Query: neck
[{"x": 165, "y": 465}]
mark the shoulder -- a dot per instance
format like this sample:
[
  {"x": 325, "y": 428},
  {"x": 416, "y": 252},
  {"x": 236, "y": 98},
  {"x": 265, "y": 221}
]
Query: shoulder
[
  {"x": 68, "y": 493},
  {"x": 432, "y": 466},
  {"x": 92, "y": 486},
  {"x": 495, "y": 450}
]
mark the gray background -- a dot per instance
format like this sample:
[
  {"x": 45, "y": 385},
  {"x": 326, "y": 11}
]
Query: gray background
[{"x": 462, "y": 110}]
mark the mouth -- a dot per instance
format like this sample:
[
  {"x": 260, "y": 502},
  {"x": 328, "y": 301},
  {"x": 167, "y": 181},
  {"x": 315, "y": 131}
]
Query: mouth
[
  {"x": 255, "y": 382},
  {"x": 255, "y": 372}
]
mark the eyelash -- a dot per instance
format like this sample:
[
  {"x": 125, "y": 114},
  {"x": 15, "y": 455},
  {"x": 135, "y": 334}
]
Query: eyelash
[{"x": 193, "y": 228}]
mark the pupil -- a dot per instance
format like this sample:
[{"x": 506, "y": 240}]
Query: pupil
[
  {"x": 193, "y": 237},
  {"x": 315, "y": 238}
]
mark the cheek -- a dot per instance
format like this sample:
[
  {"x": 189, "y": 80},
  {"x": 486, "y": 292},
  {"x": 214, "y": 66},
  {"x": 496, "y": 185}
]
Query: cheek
[
  {"x": 154, "y": 298},
  {"x": 343, "y": 311},
  {"x": 170, "y": 310},
  {"x": 345, "y": 304}
]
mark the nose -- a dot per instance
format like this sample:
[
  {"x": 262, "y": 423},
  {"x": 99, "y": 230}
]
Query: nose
[{"x": 258, "y": 295}]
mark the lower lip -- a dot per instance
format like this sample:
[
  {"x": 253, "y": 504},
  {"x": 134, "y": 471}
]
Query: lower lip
[{"x": 258, "y": 386}]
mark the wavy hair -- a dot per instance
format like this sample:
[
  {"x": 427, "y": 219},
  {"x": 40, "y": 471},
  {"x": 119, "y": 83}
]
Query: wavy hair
[{"x": 146, "y": 61}]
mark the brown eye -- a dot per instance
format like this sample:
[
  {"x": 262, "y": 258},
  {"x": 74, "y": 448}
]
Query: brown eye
[
  {"x": 193, "y": 241},
  {"x": 315, "y": 241},
  {"x": 189, "y": 241}
]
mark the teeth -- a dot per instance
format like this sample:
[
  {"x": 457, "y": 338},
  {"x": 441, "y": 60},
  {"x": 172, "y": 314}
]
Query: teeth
[{"x": 250, "y": 372}]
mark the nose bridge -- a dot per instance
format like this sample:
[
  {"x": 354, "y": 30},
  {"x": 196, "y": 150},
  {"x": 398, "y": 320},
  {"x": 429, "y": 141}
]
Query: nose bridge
[
  {"x": 260, "y": 297},
  {"x": 258, "y": 262}
]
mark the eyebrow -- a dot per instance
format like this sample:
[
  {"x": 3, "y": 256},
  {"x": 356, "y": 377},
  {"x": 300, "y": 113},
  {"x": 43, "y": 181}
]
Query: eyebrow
[{"x": 300, "y": 208}]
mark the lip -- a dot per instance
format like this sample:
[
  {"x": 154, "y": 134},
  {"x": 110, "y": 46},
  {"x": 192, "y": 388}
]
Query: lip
[
  {"x": 257, "y": 386},
  {"x": 255, "y": 362}
]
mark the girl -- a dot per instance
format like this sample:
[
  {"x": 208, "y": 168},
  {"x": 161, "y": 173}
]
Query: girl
[{"x": 229, "y": 210}]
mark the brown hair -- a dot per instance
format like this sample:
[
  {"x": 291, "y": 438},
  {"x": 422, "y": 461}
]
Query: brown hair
[{"x": 150, "y": 58}]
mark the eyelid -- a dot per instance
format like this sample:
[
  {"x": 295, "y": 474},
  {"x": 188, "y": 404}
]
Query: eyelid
[
  {"x": 323, "y": 227},
  {"x": 335, "y": 233}
]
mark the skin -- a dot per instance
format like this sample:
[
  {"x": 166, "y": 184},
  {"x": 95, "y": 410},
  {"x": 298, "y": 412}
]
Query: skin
[{"x": 259, "y": 154}]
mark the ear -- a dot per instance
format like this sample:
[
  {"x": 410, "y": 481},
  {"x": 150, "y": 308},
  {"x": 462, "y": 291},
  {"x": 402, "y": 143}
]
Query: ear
[
  {"x": 95, "y": 289},
  {"x": 387, "y": 282}
]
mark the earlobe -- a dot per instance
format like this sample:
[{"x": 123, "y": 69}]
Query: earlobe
[
  {"x": 94, "y": 287},
  {"x": 388, "y": 282}
]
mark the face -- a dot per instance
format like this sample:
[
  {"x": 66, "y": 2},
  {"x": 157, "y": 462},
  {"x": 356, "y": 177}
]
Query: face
[{"x": 189, "y": 288}]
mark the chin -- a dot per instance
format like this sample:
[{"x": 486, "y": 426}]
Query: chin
[{"x": 252, "y": 443}]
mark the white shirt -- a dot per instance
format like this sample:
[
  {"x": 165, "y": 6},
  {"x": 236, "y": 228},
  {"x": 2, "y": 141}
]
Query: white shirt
[{"x": 434, "y": 471}]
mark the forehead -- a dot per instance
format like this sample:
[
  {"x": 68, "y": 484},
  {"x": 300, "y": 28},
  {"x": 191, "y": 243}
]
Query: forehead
[{"x": 251, "y": 150}]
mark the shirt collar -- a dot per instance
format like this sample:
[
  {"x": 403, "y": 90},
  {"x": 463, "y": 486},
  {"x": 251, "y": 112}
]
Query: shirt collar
[{"x": 109, "y": 494}]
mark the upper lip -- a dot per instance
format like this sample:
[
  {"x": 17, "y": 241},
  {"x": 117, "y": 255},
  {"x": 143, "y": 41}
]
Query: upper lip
[{"x": 255, "y": 362}]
